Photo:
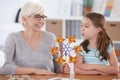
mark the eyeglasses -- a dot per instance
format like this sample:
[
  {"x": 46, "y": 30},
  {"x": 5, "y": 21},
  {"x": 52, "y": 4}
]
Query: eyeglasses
[{"x": 39, "y": 17}]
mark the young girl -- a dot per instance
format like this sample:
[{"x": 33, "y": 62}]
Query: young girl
[{"x": 98, "y": 55}]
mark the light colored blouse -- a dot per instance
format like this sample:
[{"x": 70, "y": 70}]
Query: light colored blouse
[{"x": 20, "y": 54}]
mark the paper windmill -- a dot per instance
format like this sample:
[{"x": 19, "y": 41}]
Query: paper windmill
[{"x": 65, "y": 50}]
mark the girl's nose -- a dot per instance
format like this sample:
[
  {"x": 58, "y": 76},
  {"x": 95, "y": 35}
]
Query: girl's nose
[{"x": 81, "y": 29}]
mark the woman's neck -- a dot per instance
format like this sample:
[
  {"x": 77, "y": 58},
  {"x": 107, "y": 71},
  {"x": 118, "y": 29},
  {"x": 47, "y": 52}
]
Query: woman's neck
[{"x": 31, "y": 34}]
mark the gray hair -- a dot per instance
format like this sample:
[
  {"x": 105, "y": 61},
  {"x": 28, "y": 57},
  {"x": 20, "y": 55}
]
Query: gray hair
[{"x": 31, "y": 8}]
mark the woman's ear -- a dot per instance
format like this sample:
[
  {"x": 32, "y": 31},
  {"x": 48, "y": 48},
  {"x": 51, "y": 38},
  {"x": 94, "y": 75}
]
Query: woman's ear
[{"x": 24, "y": 19}]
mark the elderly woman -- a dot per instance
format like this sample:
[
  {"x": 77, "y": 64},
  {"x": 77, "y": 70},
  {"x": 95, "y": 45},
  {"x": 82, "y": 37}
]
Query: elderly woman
[{"x": 28, "y": 51}]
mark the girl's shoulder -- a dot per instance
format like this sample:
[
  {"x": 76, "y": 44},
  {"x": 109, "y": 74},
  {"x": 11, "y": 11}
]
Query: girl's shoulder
[
  {"x": 110, "y": 47},
  {"x": 82, "y": 50}
]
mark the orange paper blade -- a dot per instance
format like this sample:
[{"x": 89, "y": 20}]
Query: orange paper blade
[
  {"x": 60, "y": 39},
  {"x": 77, "y": 49},
  {"x": 71, "y": 39},
  {"x": 60, "y": 60},
  {"x": 72, "y": 59},
  {"x": 54, "y": 50}
]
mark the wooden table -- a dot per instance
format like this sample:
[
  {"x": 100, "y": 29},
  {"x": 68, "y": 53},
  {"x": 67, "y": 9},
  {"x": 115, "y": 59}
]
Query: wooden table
[{"x": 79, "y": 77}]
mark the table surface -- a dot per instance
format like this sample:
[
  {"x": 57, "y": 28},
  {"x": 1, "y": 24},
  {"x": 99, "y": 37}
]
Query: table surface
[{"x": 78, "y": 77}]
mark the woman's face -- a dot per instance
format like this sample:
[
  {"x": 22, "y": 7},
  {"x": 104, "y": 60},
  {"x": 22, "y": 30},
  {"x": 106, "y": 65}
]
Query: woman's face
[
  {"x": 35, "y": 22},
  {"x": 88, "y": 30}
]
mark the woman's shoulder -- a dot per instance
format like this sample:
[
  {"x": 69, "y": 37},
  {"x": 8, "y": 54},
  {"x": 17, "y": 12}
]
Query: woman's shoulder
[
  {"x": 14, "y": 35},
  {"x": 49, "y": 34}
]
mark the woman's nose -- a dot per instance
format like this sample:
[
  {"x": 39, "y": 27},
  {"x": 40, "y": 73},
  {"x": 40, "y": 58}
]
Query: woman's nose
[{"x": 41, "y": 21}]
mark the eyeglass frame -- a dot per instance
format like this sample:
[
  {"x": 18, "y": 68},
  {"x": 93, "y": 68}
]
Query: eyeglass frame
[{"x": 39, "y": 17}]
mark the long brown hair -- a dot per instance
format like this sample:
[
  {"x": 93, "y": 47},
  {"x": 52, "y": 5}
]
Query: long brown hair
[{"x": 103, "y": 40}]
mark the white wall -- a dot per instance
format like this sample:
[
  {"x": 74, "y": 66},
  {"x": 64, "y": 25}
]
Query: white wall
[
  {"x": 53, "y": 9},
  {"x": 9, "y": 9},
  {"x": 6, "y": 29}
]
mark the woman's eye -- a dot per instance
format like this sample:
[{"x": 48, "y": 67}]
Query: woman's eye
[{"x": 36, "y": 16}]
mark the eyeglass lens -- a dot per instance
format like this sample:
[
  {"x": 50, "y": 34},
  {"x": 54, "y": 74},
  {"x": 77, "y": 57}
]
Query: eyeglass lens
[{"x": 37, "y": 16}]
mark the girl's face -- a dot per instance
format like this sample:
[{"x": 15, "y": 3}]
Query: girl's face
[
  {"x": 35, "y": 22},
  {"x": 88, "y": 30}
]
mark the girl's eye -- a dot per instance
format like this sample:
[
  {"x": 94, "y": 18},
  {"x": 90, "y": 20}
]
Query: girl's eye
[{"x": 87, "y": 26}]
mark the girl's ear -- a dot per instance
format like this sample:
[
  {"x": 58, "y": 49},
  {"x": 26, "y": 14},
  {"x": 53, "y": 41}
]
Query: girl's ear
[{"x": 99, "y": 29}]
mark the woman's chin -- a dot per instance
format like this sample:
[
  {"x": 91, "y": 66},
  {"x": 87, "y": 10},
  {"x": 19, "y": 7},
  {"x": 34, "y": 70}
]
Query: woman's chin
[{"x": 37, "y": 30}]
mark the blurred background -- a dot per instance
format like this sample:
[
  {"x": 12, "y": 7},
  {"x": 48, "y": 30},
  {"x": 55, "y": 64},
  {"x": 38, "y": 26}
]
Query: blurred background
[{"x": 64, "y": 17}]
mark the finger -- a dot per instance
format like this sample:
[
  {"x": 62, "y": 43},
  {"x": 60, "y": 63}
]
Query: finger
[
  {"x": 48, "y": 73},
  {"x": 66, "y": 65},
  {"x": 61, "y": 69},
  {"x": 66, "y": 71},
  {"x": 51, "y": 74}
]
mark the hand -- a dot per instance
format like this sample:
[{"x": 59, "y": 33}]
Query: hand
[
  {"x": 65, "y": 68},
  {"x": 62, "y": 68},
  {"x": 43, "y": 72},
  {"x": 103, "y": 73}
]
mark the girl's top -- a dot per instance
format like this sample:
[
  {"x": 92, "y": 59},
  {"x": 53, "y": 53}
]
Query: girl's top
[{"x": 92, "y": 57}]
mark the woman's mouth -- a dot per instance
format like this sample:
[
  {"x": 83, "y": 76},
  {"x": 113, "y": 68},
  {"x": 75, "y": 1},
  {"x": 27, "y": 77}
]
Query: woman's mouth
[{"x": 38, "y": 26}]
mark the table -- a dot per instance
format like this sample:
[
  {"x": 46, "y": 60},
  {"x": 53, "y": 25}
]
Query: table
[{"x": 79, "y": 77}]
